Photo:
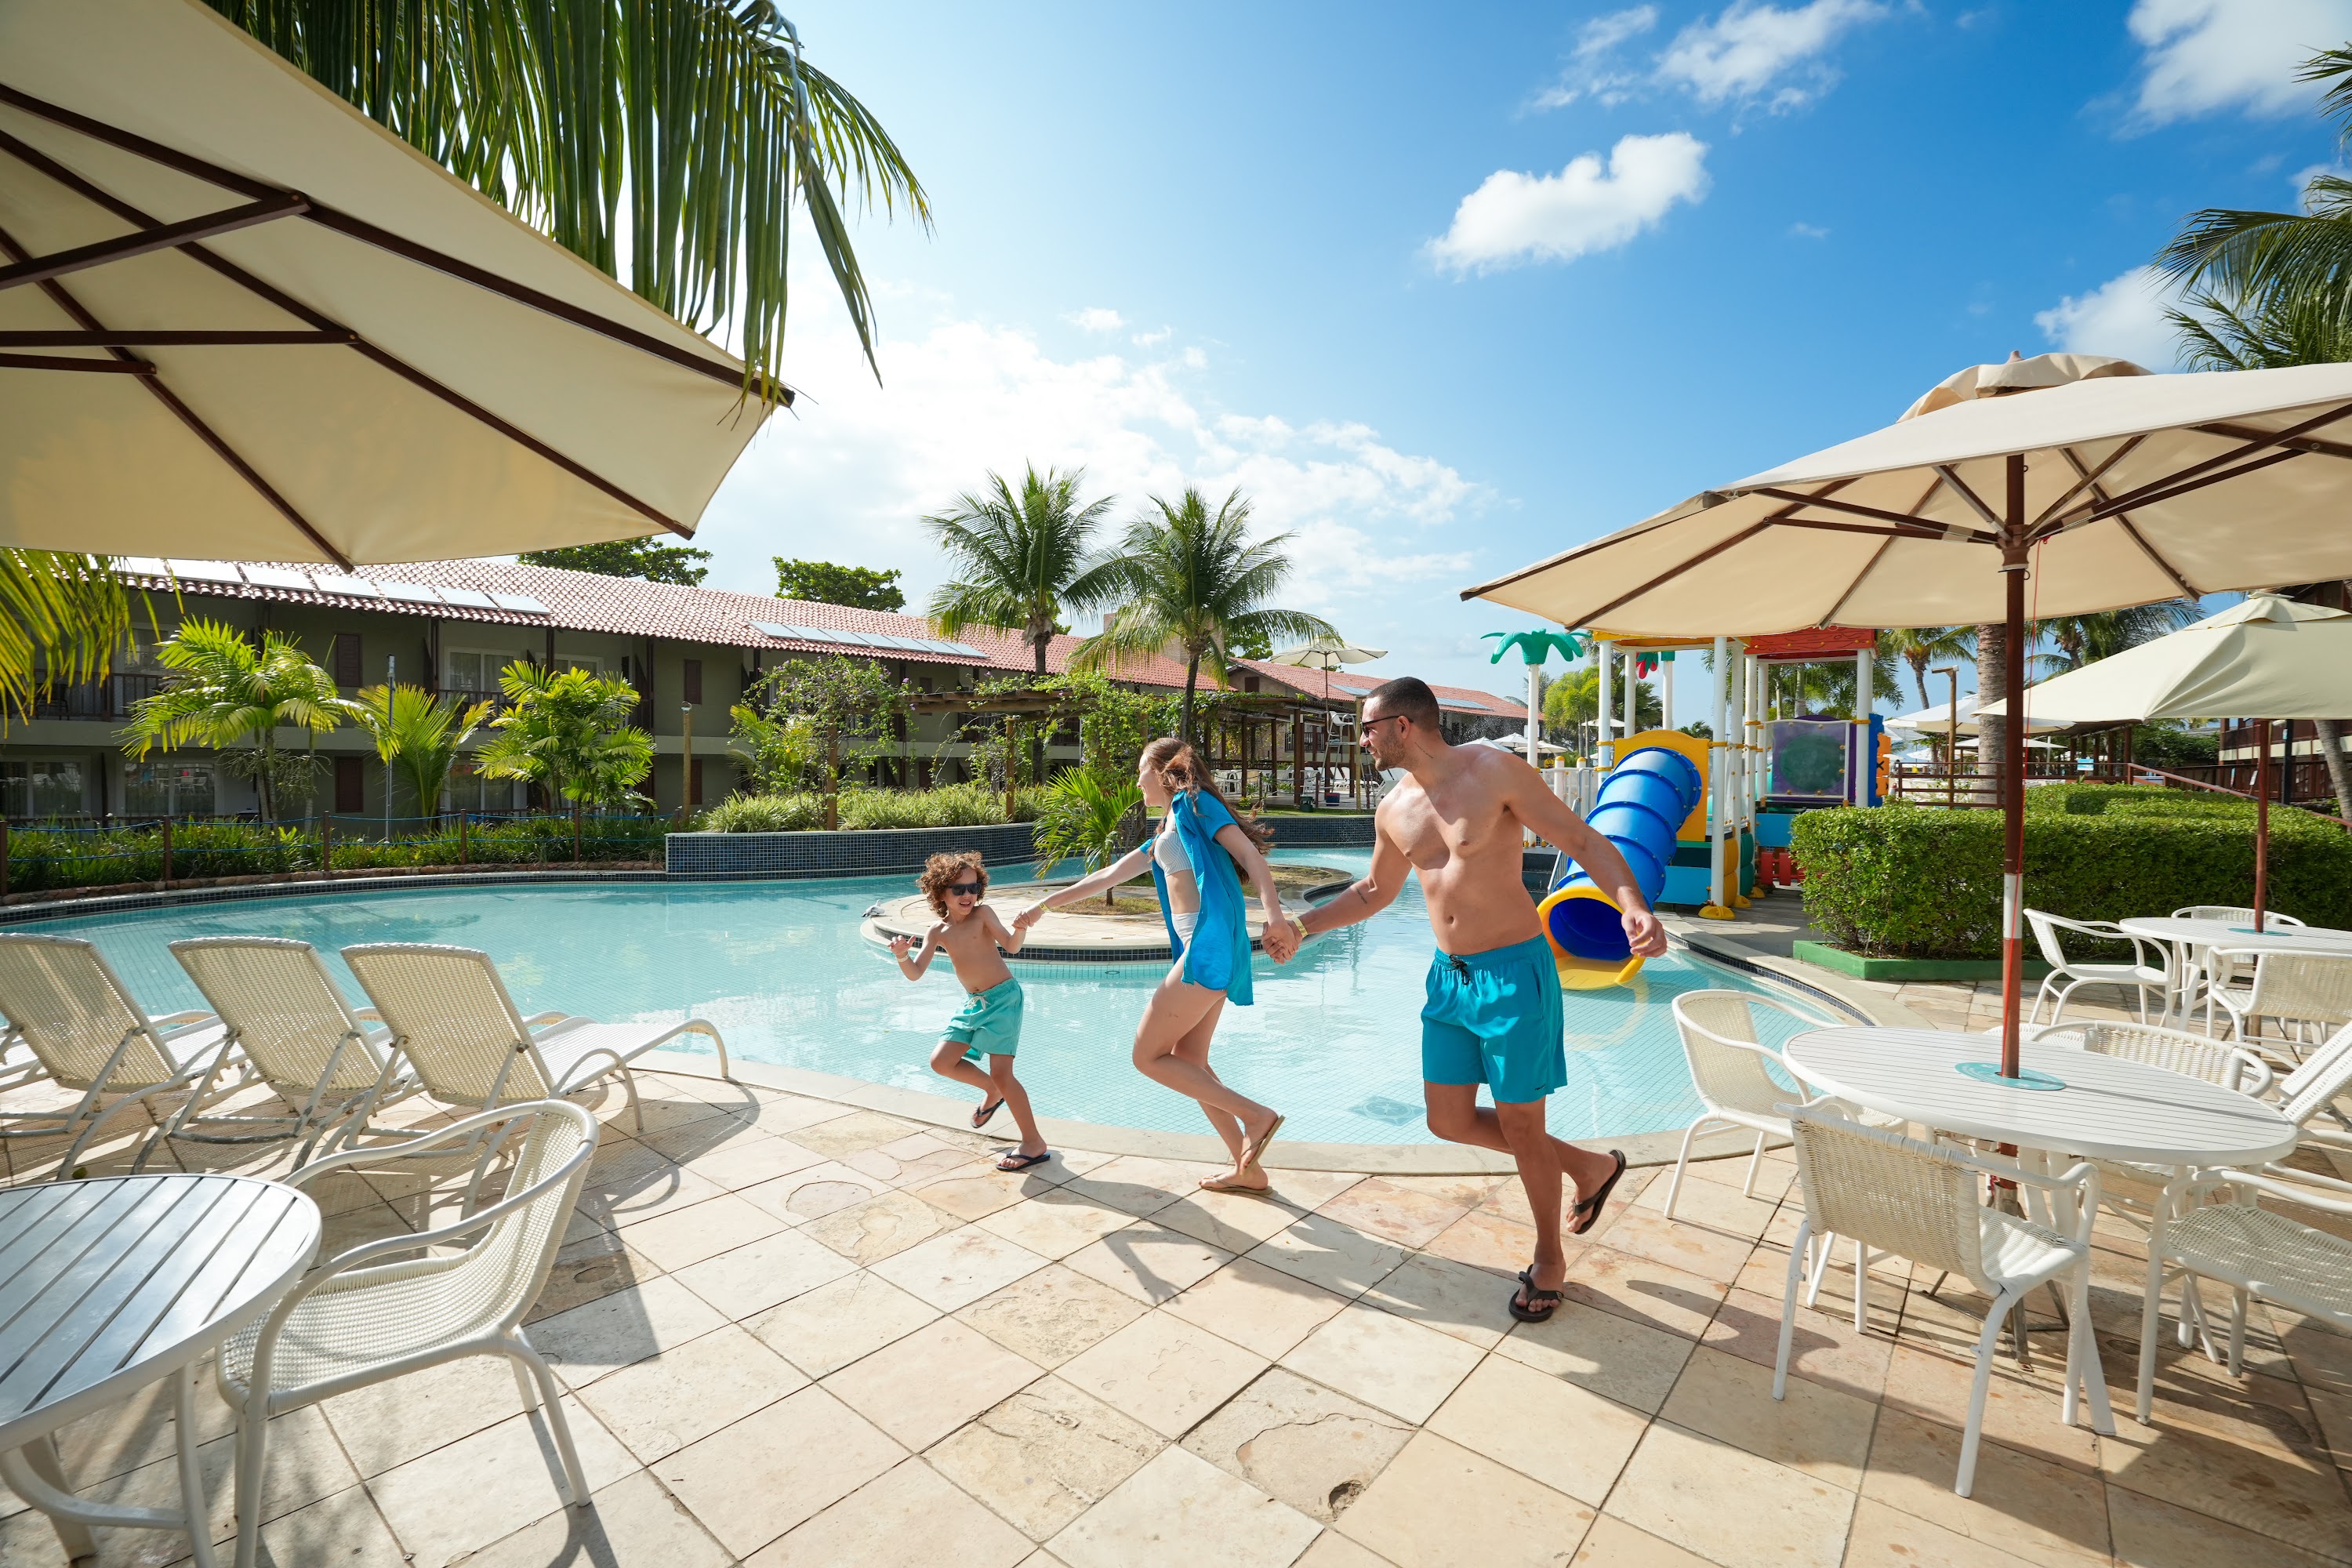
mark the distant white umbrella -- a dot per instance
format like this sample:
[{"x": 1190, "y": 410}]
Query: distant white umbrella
[{"x": 1328, "y": 654}]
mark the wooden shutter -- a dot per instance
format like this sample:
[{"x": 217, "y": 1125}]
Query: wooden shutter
[
  {"x": 347, "y": 658},
  {"x": 350, "y": 779},
  {"x": 692, "y": 669},
  {"x": 694, "y": 785}
]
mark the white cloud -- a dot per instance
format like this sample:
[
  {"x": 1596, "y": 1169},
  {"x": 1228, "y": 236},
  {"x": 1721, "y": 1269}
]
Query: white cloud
[
  {"x": 1096, "y": 319},
  {"x": 2123, "y": 317},
  {"x": 1514, "y": 217},
  {"x": 1150, "y": 340},
  {"x": 1588, "y": 72},
  {"x": 849, "y": 475},
  {"x": 1761, "y": 53},
  {"x": 1808, "y": 231},
  {"x": 2202, "y": 56}
]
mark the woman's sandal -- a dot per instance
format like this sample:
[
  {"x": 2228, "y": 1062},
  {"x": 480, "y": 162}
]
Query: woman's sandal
[
  {"x": 1252, "y": 1153},
  {"x": 1229, "y": 1184},
  {"x": 1539, "y": 1305},
  {"x": 1015, "y": 1160},
  {"x": 980, "y": 1118},
  {"x": 1588, "y": 1213}
]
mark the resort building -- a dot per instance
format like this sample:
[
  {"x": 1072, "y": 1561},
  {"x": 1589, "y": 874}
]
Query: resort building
[{"x": 452, "y": 626}]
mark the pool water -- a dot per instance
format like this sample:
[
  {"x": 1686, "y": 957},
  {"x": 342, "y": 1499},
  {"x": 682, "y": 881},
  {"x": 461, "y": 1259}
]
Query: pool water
[{"x": 1334, "y": 1041}]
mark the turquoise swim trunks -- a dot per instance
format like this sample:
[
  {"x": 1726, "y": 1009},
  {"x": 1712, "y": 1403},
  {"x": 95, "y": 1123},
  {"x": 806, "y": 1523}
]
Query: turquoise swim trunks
[
  {"x": 1495, "y": 1018},
  {"x": 990, "y": 1024}
]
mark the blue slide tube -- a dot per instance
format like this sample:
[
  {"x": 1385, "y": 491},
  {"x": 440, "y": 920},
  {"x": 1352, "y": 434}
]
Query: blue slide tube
[{"x": 1639, "y": 807}]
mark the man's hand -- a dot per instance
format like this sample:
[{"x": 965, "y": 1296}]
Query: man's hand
[
  {"x": 1643, "y": 935},
  {"x": 1029, "y": 917},
  {"x": 900, "y": 946},
  {"x": 1281, "y": 940}
]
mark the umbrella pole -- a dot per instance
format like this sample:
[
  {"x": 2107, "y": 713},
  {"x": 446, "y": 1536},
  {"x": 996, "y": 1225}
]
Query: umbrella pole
[
  {"x": 2262, "y": 822},
  {"x": 2014, "y": 561}
]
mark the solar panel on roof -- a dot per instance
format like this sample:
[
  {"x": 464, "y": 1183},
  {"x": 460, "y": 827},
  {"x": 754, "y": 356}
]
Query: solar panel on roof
[
  {"x": 141, "y": 565},
  {"x": 355, "y": 587},
  {"x": 207, "y": 571},
  {"x": 277, "y": 577},
  {"x": 521, "y": 605},
  {"x": 468, "y": 598},
  {"x": 966, "y": 649},
  {"x": 414, "y": 593}
]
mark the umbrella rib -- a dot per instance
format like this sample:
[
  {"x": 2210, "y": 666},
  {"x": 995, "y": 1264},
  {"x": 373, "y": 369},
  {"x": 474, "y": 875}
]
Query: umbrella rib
[
  {"x": 335, "y": 331},
  {"x": 2248, "y": 433},
  {"x": 1975, "y": 501},
  {"x": 2090, "y": 480},
  {"x": 169, "y": 337},
  {"x": 1905, "y": 525},
  {"x": 1709, "y": 553},
  {"x": 64, "y": 299},
  {"x": 2171, "y": 484},
  {"x": 67, "y": 362},
  {"x": 152, "y": 237},
  {"x": 1855, "y": 586},
  {"x": 367, "y": 233},
  {"x": 2089, "y": 477},
  {"x": 2141, "y": 498}
]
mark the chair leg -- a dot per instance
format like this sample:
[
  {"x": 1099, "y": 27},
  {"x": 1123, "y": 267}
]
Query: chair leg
[
  {"x": 1755, "y": 1164},
  {"x": 2238, "y": 1332},
  {"x": 574, "y": 1480},
  {"x": 2085, "y": 1353},
  {"x": 636, "y": 1107},
  {"x": 252, "y": 1454},
  {"x": 2150, "y": 1319},
  {"x": 1861, "y": 1286},
  {"x": 1682, "y": 1164},
  {"x": 2039, "y": 997},
  {"x": 1994, "y": 1318},
  {"x": 1797, "y": 1253},
  {"x": 41, "y": 1455}
]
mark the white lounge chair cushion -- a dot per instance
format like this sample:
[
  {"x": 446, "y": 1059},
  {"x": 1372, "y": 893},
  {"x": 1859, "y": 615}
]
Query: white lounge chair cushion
[{"x": 566, "y": 1046}]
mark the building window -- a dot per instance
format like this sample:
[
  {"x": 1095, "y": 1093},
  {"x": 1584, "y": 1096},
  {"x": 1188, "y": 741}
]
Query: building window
[
  {"x": 470, "y": 791},
  {"x": 346, "y": 658},
  {"x": 168, "y": 789},
  {"x": 44, "y": 786},
  {"x": 350, "y": 783},
  {"x": 473, "y": 671},
  {"x": 691, "y": 675}
]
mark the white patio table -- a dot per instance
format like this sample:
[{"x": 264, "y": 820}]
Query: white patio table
[
  {"x": 109, "y": 1285},
  {"x": 2104, "y": 1107},
  {"x": 2185, "y": 938}
]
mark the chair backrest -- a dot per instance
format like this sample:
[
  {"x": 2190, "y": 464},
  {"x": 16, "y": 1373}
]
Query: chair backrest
[
  {"x": 2045, "y": 937},
  {"x": 1727, "y": 1076},
  {"x": 1883, "y": 1190},
  {"x": 2313, "y": 986},
  {"x": 503, "y": 1272},
  {"x": 2174, "y": 1050},
  {"x": 2325, "y": 1074},
  {"x": 65, "y": 1001},
  {"x": 286, "y": 1011},
  {"x": 450, "y": 1015},
  {"x": 2236, "y": 914}
]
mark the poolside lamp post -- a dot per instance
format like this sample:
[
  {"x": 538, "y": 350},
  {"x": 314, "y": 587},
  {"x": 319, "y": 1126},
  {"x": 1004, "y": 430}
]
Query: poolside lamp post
[{"x": 1951, "y": 733}]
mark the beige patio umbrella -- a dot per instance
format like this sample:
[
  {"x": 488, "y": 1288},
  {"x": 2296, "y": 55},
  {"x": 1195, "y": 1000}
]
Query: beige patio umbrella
[
  {"x": 2109, "y": 489},
  {"x": 2267, "y": 656},
  {"x": 240, "y": 320},
  {"x": 1326, "y": 654}
]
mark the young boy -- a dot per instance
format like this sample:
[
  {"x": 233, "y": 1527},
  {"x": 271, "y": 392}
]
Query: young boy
[{"x": 990, "y": 1024}]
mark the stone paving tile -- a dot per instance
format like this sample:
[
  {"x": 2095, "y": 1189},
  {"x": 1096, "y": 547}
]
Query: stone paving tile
[
  {"x": 1046, "y": 1454},
  {"x": 1553, "y": 1432},
  {"x": 627, "y": 1326},
  {"x": 1256, "y": 1307},
  {"x": 1057, "y": 1223},
  {"x": 388, "y": 1423},
  {"x": 678, "y": 1236},
  {"x": 1471, "y": 1304},
  {"x": 1179, "y": 1512},
  {"x": 1736, "y": 1508},
  {"x": 908, "y": 1515},
  {"x": 748, "y": 1280},
  {"x": 2041, "y": 1511},
  {"x": 813, "y": 1192},
  {"x": 958, "y": 1267},
  {"x": 1394, "y": 1212},
  {"x": 1385, "y": 1361},
  {"x": 1647, "y": 1291},
  {"x": 480, "y": 1488},
  {"x": 1147, "y": 1261},
  {"x": 1052, "y": 1314},
  {"x": 823, "y": 1330},
  {"x": 1163, "y": 1372},
  {"x": 633, "y": 1521},
  {"x": 1300, "y": 1443},
  {"x": 659, "y": 1405},
  {"x": 880, "y": 1227},
  {"x": 1415, "y": 1514},
  {"x": 922, "y": 1387},
  {"x": 754, "y": 1480},
  {"x": 1140, "y": 1186},
  {"x": 1332, "y": 1253},
  {"x": 1816, "y": 1428},
  {"x": 1616, "y": 1357}
]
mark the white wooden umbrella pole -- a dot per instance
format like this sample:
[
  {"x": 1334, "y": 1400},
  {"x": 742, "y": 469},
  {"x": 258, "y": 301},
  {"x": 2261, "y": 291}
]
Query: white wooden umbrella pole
[
  {"x": 1718, "y": 778},
  {"x": 1603, "y": 753},
  {"x": 1535, "y": 697},
  {"x": 1633, "y": 694}
]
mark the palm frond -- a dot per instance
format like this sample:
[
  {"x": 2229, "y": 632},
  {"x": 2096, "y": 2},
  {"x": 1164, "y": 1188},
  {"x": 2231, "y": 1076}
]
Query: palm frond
[{"x": 62, "y": 617}]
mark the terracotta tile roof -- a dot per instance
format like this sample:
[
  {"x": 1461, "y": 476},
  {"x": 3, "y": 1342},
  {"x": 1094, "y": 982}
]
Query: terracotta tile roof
[{"x": 1346, "y": 686}]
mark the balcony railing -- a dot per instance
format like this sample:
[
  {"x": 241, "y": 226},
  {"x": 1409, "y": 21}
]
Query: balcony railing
[{"x": 98, "y": 699}]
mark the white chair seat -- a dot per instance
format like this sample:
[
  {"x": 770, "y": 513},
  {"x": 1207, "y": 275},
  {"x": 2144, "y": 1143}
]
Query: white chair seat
[
  {"x": 568, "y": 1045},
  {"x": 2018, "y": 1253},
  {"x": 368, "y": 1320},
  {"x": 2288, "y": 1262}
]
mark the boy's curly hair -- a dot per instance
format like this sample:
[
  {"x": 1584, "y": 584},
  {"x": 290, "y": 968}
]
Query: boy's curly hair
[{"x": 940, "y": 871}]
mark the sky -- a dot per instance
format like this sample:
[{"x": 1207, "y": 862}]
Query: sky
[{"x": 1444, "y": 290}]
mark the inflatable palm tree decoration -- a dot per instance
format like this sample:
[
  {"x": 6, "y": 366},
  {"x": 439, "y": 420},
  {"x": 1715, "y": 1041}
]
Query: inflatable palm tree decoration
[{"x": 1535, "y": 648}]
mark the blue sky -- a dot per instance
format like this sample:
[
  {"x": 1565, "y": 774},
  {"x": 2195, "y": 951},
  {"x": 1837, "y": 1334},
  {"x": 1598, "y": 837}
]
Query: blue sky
[{"x": 1446, "y": 290}]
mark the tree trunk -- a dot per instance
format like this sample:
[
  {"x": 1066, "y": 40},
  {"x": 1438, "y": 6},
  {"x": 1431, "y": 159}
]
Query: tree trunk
[
  {"x": 1192, "y": 679},
  {"x": 1993, "y": 685},
  {"x": 268, "y": 791},
  {"x": 2331, "y": 748},
  {"x": 575, "y": 832},
  {"x": 1037, "y": 742}
]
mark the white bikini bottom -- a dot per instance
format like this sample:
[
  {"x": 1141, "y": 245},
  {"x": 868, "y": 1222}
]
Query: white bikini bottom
[{"x": 1184, "y": 920}]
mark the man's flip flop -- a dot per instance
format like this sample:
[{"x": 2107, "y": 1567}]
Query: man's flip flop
[
  {"x": 1539, "y": 1305},
  {"x": 1016, "y": 1161},
  {"x": 980, "y": 1118},
  {"x": 1588, "y": 1213}
]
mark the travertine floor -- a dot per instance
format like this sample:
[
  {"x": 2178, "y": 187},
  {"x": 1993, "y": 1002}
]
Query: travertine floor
[{"x": 799, "y": 1334}]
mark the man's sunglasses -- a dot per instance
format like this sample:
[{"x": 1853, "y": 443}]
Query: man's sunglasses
[
  {"x": 1386, "y": 718},
  {"x": 964, "y": 890}
]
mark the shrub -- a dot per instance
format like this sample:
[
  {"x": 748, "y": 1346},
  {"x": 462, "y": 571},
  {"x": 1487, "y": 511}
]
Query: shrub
[
  {"x": 1917, "y": 883},
  {"x": 947, "y": 805}
]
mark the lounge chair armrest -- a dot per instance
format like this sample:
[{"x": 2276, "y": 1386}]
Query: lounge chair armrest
[
  {"x": 430, "y": 1143},
  {"x": 2286, "y": 1183}
]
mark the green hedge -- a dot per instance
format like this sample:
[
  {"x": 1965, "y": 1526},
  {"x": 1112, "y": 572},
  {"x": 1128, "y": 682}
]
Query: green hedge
[
  {"x": 1908, "y": 881},
  {"x": 801, "y": 811}
]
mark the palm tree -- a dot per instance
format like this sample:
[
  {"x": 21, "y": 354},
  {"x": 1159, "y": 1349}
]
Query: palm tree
[
  {"x": 569, "y": 732},
  {"x": 702, "y": 115},
  {"x": 222, "y": 690},
  {"x": 61, "y": 618},
  {"x": 1923, "y": 647},
  {"x": 2078, "y": 641},
  {"x": 1020, "y": 559},
  {"x": 1193, "y": 580},
  {"x": 420, "y": 735}
]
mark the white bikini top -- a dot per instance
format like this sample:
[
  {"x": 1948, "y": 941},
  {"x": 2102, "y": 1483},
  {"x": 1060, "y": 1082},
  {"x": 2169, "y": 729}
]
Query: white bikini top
[{"x": 1169, "y": 850}]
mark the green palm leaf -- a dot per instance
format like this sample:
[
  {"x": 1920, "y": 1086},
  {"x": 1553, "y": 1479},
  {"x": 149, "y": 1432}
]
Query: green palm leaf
[{"x": 62, "y": 617}]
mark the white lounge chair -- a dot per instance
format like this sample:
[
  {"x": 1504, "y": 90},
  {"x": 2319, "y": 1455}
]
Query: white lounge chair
[
  {"x": 334, "y": 1066},
  {"x": 1922, "y": 1201},
  {"x": 2139, "y": 975},
  {"x": 70, "y": 1012},
  {"x": 452, "y": 1018},
  {"x": 372, "y": 1313}
]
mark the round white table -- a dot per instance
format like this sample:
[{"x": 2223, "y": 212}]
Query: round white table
[
  {"x": 2185, "y": 938},
  {"x": 110, "y": 1285},
  {"x": 2110, "y": 1108}
]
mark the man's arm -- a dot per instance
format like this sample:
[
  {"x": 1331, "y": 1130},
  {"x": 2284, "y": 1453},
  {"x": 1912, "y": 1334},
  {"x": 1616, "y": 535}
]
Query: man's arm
[
  {"x": 1369, "y": 894},
  {"x": 1532, "y": 802}
]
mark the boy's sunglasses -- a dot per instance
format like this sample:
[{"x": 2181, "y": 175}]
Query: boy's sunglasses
[{"x": 964, "y": 890}]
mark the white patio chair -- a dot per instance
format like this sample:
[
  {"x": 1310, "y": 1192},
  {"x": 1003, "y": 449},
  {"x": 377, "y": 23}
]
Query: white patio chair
[
  {"x": 2235, "y": 914},
  {"x": 1727, "y": 1068},
  {"x": 452, "y": 1018},
  {"x": 286, "y": 1013},
  {"x": 68, "y": 1009},
  {"x": 372, "y": 1314},
  {"x": 2297, "y": 988},
  {"x": 2174, "y": 1050},
  {"x": 1922, "y": 1201},
  {"x": 2253, "y": 1250},
  {"x": 2139, "y": 975}
]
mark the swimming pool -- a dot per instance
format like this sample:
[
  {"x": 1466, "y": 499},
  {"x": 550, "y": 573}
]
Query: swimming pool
[{"x": 1334, "y": 1041}]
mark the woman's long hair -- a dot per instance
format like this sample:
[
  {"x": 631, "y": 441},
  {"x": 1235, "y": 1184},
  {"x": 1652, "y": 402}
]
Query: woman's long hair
[{"x": 1177, "y": 763}]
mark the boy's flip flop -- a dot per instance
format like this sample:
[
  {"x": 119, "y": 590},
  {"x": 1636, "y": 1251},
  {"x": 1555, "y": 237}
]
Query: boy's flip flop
[
  {"x": 1016, "y": 1161},
  {"x": 980, "y": 1118},
  {"x": 1588, "y": 1213}
]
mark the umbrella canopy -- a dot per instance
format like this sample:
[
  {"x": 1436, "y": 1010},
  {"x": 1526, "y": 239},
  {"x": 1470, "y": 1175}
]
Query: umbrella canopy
[
  {"x": 1327, "y": 653},
  {"x": 2073, "y": 487},
  {"x": 1974, "y": 742},
  {"x": 240, "y": 320},
  {"x": 1937, "y": 720},
  {"x": 2267, "y": 657}
]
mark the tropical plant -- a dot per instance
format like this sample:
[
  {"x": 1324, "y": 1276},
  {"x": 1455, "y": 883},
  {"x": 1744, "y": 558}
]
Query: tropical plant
[
  {"x": 1192, "y": 580},
  {"x": 419, "y": 735},
  {"x": 61, "y": 618},
  {"x": 646, "y": 559},
  {"x": 1922, "y": 648},
  {"x": 569, "y": 732},
  {"x": 2077, "y": 640},
  {"x": 1021, "y": 558},
  {"x": 701, "y": 115},
  {"x": 1086, "y": 820},
  {"x": 776, "y": 746},
  {"x": 220, "y": 689},
  {"x": 823, "y": 582},
  {"x": 1571, "y": 700},
  {"x": 850, "y": 711}
]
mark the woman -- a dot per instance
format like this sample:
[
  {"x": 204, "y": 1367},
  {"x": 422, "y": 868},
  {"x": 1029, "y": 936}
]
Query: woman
[{"x": 1193, "y": 858}]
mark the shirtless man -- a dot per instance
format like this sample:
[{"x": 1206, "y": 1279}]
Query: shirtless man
[{"x": 1493, "y": 1013}]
